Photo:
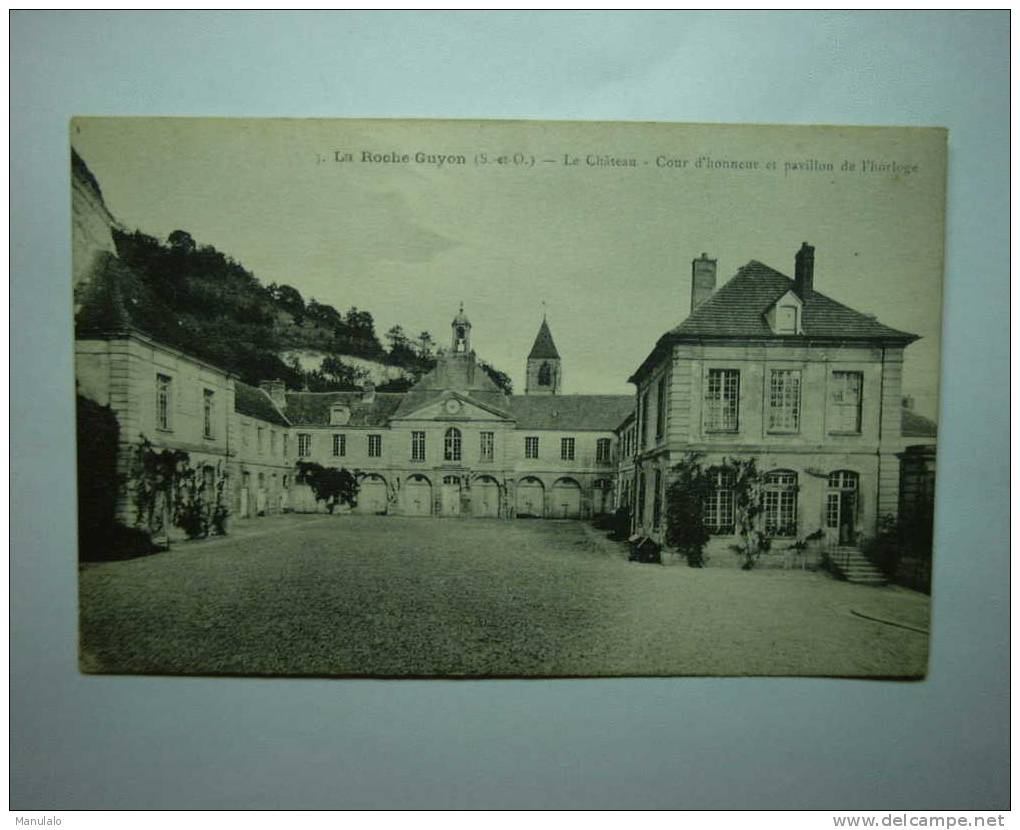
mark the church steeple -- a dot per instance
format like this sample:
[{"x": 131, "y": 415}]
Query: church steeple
[
  {"x": 545, "y": 372},
  {"x": 461, "y": 326}
]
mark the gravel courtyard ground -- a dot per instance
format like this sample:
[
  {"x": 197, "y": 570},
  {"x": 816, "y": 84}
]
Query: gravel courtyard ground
[{"x": 357, "y": 595}]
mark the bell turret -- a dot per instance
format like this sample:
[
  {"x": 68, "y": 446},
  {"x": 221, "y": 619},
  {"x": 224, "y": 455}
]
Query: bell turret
[{"x": 461, "y": 343}]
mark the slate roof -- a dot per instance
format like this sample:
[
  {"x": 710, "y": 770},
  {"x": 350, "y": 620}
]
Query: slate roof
[
  {"x": 737, "y": 311},
  {"x": 312, "y": 408},
  {"x": 570, "y": 412},
  {"x": 254, "y": 402},
  {"x": 544, "y": 348},
  {"x": 913, "y": 425}
]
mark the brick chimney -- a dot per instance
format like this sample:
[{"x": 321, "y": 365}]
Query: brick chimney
[
  {"x": 368, "y": 392},
  {"x": 277, "y": 391},
  {"x": 702, "y": 280},
  {"x": 804, "y": 271}
]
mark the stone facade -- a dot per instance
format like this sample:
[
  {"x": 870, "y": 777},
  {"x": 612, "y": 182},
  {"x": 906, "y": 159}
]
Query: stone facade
[
  {"x": 770, "y": 370},
  {"x": 454, "y": 445}
]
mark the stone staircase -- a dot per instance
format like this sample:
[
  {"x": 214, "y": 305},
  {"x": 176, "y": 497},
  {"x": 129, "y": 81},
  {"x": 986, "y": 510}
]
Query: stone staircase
[{"x": 853, "y": 566}]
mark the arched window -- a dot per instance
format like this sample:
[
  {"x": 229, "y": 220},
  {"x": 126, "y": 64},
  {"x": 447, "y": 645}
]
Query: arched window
[
  {"x": 781, "y": 503},
  {"x": 545, "y": 375},
  {"x": 452, "y": 444}
]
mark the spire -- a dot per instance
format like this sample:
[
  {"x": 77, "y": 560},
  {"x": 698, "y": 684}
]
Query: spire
[{"x": 544, "y": 347}]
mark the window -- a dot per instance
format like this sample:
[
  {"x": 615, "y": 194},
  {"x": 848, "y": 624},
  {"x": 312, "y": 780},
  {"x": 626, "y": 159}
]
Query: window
[
  {"x": 657, "y": 501},
  {"x": 272, "y": 442},
  {"x": 567, "y": 449},
  {"x": 845, "y": 402},
  {"x": 660, "y": 415},
  {"x": 602, "y": 446},
  {"x": 339, "y": 444},
  {"x": 718, "y": 513},
  {"x": 164, "y": 402},
  {"x": 451, "y": 445},
  {"x": 286, "y": 444},
  {"x": 304, "y": 444},
  {"x": 531, "y": 446},
  {"x": 644, "y": 420},
  {"x": 208, "y": 414},
  {"x": 784, "y": 401},
  {"x": 780, "y": 507},
  {"x": 488, "y": 445},
  {"x": 339, "y": 414},
  {"x": 418, "y": 446},
  {"x": 285, "y": 481},
  {"x": 722, "y": 397},
  {"x": 245, "y": 433},
  {"x": 641, "y": 498},
  {"x": 545, "y": 375},
  {"x": 259, "y": 439},
  {"x": 374, "y": 446},
  {"x": 843, "y": 480},
  {"x": 786, "y": 319}
]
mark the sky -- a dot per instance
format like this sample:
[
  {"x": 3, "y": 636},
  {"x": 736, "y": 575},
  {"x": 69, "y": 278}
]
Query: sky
[{"x": 546, "y": 223}]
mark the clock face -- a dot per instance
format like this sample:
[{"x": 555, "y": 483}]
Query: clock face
[{"x": 452, "y": 406}]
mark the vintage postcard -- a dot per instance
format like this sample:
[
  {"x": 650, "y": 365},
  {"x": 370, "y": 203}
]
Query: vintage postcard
[{"x": 505, "y": 399}]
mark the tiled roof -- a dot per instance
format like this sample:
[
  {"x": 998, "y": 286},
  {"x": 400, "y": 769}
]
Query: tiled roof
[
  {"x": 917, "y": 426},
  {"x": 544, "y": 348},
  {"x": 254, "y": 402},
  {"x": 738, "y": 310},
  {"x": 312, "y": 408},
  {"x": 567, "y": 412}
]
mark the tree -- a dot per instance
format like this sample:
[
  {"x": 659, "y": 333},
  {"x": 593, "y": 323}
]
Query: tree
[
  {"x": 685, "y": 508},
  {"x": 425, "y": 344},
  {"x": 396, "y": 338},
  {"x": 290, "y": 300},
  {"x": 501, "y": 379},
  {"x": 342, "y": 376},
  {"x": 181, "y": 241},
  {"x": 329, "y": 484}
]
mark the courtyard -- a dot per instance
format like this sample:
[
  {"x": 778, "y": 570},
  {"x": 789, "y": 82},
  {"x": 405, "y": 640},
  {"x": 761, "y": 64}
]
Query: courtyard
[{"x": 392, "y": 596}]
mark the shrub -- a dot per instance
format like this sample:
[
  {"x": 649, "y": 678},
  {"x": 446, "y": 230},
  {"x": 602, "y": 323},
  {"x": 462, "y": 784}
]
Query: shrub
[
  {"x": 98, "y": 480},
  {"x": 645, "y": 550},
  {"x": 329, "y": 484}
]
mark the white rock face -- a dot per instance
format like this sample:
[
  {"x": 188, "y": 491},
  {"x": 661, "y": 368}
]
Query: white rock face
[
  {"x": 91, "y": 225},
  {"x": 309, "y": 360}
]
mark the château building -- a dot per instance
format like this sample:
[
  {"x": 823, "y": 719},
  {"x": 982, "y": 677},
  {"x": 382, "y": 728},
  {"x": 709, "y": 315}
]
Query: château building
[
  {"x": 455, "y": 444},
  {"x": 770, "y": 368}
]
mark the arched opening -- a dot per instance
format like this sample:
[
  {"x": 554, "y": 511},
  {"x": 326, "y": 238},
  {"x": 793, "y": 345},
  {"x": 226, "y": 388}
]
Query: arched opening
[
  {"x": 566, "y": 499},
  {"x": 530, "y": 499},
  {"x": 601, "y": 496},
  {"x": 545, "y": 375},
  {"x": 450, "y": 496},
  {"x": 417, "y": 496},
  {"x": 485, "y": 497},
  {"x": 842, "y": 506},
  {"x": 372, "y": 496},
  {"x": 780, "y": 503},
  {"x": 451, "y": 444}
]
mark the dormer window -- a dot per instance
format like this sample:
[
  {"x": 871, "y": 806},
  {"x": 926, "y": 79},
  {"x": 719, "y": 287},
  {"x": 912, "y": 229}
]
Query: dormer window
[
  {"x": 339, "y": 415},
  {"x": 786, "y": 319},
  {"x": 785, "y": 316}
]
